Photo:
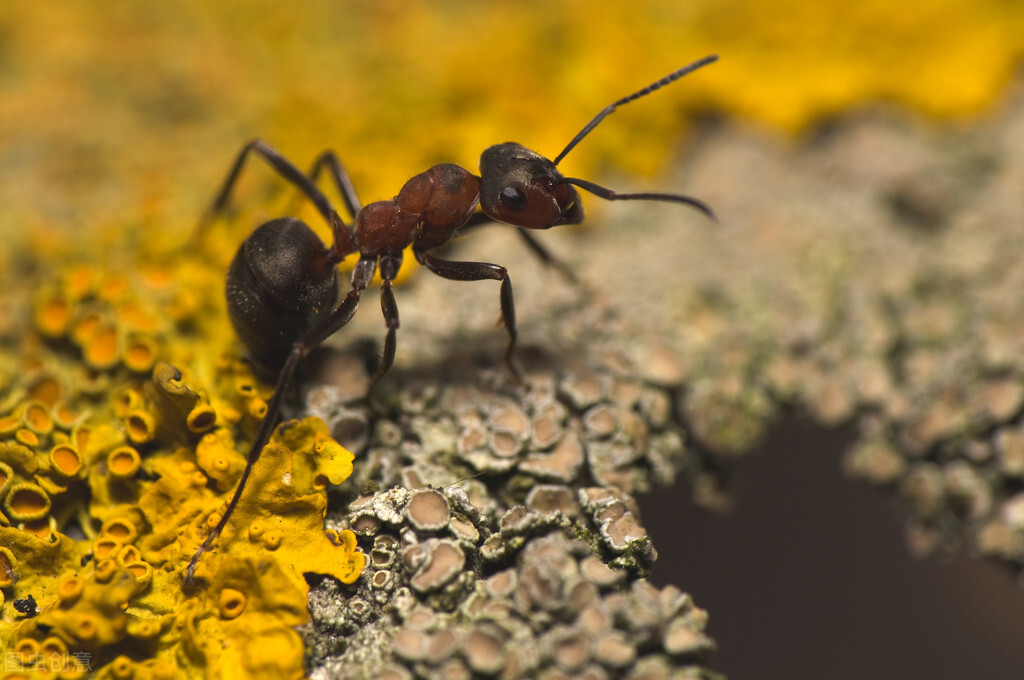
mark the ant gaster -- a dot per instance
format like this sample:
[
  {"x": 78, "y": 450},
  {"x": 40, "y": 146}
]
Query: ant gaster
[{"x": 282, "y": 288}]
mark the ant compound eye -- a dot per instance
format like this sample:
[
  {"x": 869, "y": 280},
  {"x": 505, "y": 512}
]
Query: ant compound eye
[{"x": 513, "y": 198}]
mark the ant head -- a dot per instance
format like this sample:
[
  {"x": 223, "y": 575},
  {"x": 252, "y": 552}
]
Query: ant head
[{"x": 522, "y": 188}]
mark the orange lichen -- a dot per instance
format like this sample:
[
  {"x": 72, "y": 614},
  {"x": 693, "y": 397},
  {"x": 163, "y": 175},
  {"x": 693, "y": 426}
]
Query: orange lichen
[
  {"x": 36, "y": 416},
  {"x": 160, "y": 458},
  {"x": 122, "y": 668},
  {"x": 124, "y": 462},
  {"x": 232, "y": 603},
  {"x": 43, "y": 528},
  {"x": 96, "y": 618},
  {"x": 141, "y": 570},
  {"x": 26, "y": 502},
  {"x": 65, "y": 460},
  {"x": 101, "y": 349},
  {"x": 9, "y": 424},
  {"x": 140, "y": 426},
  {"x": 46, "y": 389},
  {"x": 140, "y": 353},
  {"x": 129, "y": 554},
  {"x": 53, "y": 315},
  {"x": 241, "y": 627},
  {"x": 105, "y": 570},
  {"x": 27, "y": 437},
  {"x": 201, "y": 418},
  {"x": 70, "y": 590},
  {"x": 120, "y": 529},
  {"x": 37, "y": 565}
]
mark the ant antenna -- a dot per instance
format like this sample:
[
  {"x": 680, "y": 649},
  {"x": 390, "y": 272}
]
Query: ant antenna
[
  {"x": 464, "y": 479},
  {"x": 675, "y": 75},
  {"x": 610, "y": 195}
]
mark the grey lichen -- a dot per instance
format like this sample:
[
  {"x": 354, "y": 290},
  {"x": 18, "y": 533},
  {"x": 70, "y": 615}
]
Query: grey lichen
[{"x": 499, "y": 542}]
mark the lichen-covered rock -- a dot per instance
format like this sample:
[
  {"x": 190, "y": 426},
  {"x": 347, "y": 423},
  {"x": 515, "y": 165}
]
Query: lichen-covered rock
[{"x": 556, "y": 608}]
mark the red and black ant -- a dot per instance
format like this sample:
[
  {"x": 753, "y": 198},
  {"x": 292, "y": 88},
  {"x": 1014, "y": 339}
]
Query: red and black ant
[{"x": 282, "y": 287}]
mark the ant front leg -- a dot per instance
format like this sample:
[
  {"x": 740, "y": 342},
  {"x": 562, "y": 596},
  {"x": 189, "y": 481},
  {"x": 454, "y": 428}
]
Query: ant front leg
[
  {"x": 283, "y": 167},
  {"x": 536, "y": 247},
  {"x": 478, "y": 271},
  {"x": 362, "y": 276},
  {"x": 545, "y": 256}
]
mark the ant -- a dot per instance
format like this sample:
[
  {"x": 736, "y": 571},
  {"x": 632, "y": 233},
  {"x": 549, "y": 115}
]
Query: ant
[{"x": 282, "y": 288}]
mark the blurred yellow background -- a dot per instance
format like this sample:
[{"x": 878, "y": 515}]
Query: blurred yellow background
[{"x": 128, "y": 114}]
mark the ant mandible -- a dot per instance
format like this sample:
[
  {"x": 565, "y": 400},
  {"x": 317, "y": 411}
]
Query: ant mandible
[{"x": 282, "y": 285}]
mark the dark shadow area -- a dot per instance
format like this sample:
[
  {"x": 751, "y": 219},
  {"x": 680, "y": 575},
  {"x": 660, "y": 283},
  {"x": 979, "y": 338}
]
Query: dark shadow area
[{"x": 809, "y": 577}]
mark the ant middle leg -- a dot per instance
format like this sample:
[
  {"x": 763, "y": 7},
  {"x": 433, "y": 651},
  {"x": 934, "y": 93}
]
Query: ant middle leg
[
  {"x": 479, "y": 271},
  {"x": 538, "y": 249},
  {"x": 389, "y": 266}
]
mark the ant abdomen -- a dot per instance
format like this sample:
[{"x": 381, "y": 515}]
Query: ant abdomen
[{"x": 280, "y": 285}]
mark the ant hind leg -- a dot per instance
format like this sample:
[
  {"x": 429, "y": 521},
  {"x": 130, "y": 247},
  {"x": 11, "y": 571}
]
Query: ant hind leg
[
  {"x": 284, "y": 167},
  {"x": 341, "y": 178}
]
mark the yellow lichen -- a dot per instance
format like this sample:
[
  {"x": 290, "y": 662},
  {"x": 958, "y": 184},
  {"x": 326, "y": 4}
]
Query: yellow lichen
[
  {"x": 216, "y": 456},
  {"x": 6, "y": 478},
  {"x": 7, "y": 572},
  {"x": 19, "y": 457},
  {"x": 289, "y": 512},
  {"x": 144, "y": 471}
]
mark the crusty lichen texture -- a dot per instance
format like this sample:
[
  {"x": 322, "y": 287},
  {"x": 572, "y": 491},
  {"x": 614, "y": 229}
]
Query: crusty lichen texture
[{"x": 115, "y": 464}]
